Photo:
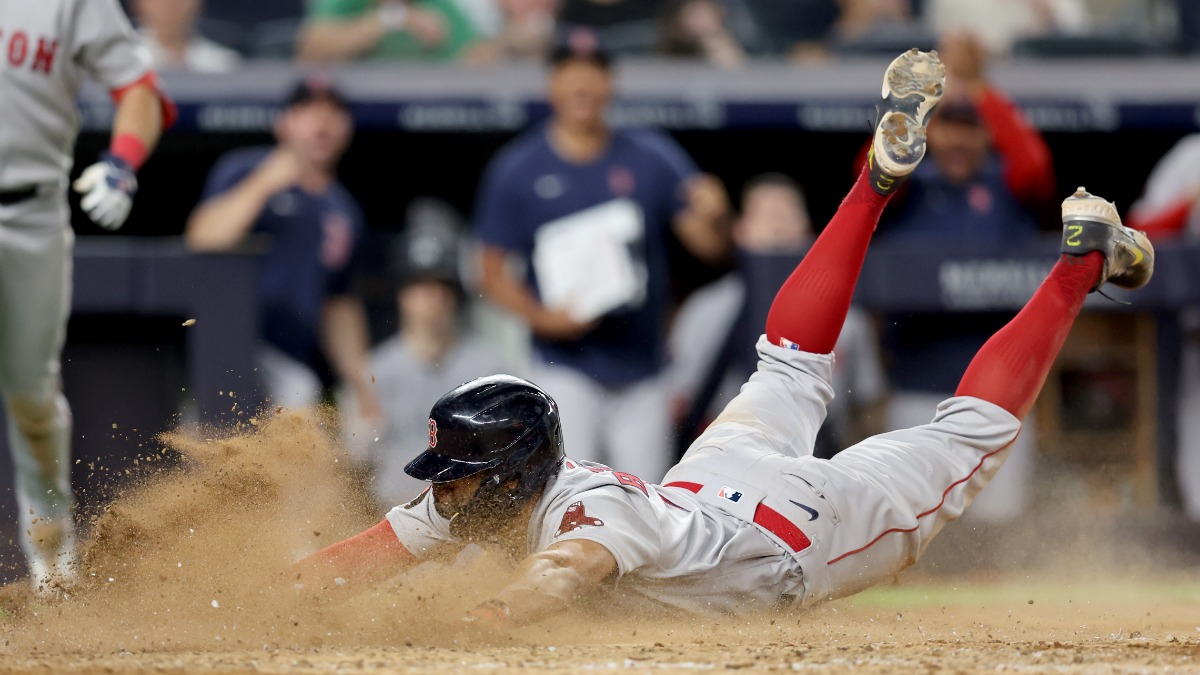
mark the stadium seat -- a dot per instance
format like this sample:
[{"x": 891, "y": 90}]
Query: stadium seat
[
  {"x": 229, "y": 33},
  {"x": 256, "y": 11},
  {"x": 630, "y": 37},
  {"x": 886, "y": 39},
  {"x": 275, "y": 39},
  {"x": 1076, "y": 46}
]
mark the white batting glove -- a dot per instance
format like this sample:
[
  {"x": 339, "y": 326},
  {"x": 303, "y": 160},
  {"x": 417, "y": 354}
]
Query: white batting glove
[{"x": 107, "y": 187}]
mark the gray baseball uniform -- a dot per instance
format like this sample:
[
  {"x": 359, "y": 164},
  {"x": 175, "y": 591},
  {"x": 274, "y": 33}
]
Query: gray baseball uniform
[
  {"x": 46, "y": 48},
  {"x": 750, "y": 517}
]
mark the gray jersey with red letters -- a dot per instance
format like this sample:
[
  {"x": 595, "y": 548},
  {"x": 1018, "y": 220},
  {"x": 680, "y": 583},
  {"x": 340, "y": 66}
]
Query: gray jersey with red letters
[
  {"x": 668, "y": 546},
  {"x": 46, "y": 49},
  {"x": 749, "y": 517}
]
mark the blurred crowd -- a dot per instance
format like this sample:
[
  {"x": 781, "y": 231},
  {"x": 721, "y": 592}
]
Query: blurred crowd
[{"x": 215, "y": 35}]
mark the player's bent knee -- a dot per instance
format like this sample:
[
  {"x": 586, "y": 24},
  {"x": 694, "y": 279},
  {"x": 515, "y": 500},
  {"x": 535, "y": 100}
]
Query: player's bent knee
[{"x": 36, "y": 416}]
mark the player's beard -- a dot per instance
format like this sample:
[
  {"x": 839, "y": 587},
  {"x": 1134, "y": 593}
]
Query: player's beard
[{"x": 492, "y": 518}]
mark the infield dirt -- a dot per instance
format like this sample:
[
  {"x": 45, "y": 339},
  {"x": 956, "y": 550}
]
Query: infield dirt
[{"x": 186, "y": 572}]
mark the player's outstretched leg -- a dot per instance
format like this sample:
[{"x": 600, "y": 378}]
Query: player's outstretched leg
[
  {"x": 811, "y": 307},
  {"x": 1011, "y": 367}
]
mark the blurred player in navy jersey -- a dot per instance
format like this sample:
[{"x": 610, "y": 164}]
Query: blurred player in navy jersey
[{"x": 577, "y": 173}]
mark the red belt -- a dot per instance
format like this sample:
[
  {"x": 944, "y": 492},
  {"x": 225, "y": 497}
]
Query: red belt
[{"x": 767, "y": 518}]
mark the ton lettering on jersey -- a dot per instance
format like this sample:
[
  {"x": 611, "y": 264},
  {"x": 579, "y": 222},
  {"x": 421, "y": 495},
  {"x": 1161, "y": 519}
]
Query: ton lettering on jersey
[
  {"x": 575, "y": 518},
  {"x": 19, "y": 50}
]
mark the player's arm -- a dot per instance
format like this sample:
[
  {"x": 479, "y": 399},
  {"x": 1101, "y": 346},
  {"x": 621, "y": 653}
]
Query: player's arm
[
  {"x": 366, "y": 558},
  {"x": 703, "y": 226},
  {"x": 1028, "y": 165},
  {"x": 340, "y": 40},
  {"x": 498, "y": 283},
  {"x": 546, "y": 583},
  {"x": 223, "y": 221},
  {"x": 108, "y": 186},
  {"x": 346, "y": 342},
  {"x": 138, "y": 123},
  {"x": 104, "y": 46}
]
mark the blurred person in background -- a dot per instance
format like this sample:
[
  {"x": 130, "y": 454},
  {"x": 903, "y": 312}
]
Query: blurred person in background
[
  {"x": 427, "y": 357},
  {"x": 990, "y": 166},
  {"x": 525, "y": 32},
  {"x": 418, "y": 30},
  {"x": 291, "y": 193},
  {"x": 575, "y": 176},
  {"x": 1170, "y": 207},
  {"x": 1000, "y": 23},
  {"x": 860, "y": 17},
  {"x": 168, "y": 28},
  {"x": 48, "y": 58},
  {"x": 987, "y": 170},
  {"x": 697, "y": 29},
  {"x": 709, "y": 365}
]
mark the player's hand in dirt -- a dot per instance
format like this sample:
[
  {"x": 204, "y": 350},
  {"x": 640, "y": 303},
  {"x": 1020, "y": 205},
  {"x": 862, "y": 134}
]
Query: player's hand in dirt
[
  {"x": 108, "y": 187},
  {"x": 558, "y": 324}
]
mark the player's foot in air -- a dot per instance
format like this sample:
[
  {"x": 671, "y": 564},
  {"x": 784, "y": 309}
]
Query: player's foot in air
[
  {"x": 1091, "y": 223},
  {"x": 912, "y": 87}
]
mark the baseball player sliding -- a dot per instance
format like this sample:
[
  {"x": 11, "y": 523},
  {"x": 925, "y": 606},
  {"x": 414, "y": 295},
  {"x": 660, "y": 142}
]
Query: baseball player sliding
[
  {"x": 46, "y": 48},
  {"x": 748, "y": 518}
]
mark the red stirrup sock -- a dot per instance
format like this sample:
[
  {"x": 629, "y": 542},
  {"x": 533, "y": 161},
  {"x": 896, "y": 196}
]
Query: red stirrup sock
[
  {"x": 811, "y": 307},
  {"x": 1011, "y": 367}
]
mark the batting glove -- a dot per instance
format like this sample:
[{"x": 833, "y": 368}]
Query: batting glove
[{"x": 107, "y": 187}]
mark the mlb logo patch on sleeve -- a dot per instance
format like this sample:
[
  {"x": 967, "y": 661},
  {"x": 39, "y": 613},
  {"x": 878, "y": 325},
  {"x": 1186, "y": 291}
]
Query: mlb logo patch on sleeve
[{"x": 730, "y": 494}]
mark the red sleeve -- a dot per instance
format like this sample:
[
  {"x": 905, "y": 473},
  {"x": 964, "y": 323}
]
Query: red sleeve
[
  {"x": 372, "y": 555},
  {"x": 1028, "y": 167},
  {"x": 169, "y": 112},
  {"x": 1164, "y": 222}
]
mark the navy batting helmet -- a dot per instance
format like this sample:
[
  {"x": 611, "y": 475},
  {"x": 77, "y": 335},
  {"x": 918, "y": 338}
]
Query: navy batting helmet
[{"x": 501, "y": 425}]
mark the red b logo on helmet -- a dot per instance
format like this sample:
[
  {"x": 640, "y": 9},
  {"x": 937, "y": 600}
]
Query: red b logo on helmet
[{"x": 432, "y": 433}]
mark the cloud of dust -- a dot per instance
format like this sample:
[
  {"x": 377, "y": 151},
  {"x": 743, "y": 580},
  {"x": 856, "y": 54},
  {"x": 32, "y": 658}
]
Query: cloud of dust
[{"x": 196, "y": 558}]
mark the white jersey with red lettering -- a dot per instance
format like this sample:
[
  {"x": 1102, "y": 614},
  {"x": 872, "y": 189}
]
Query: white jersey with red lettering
[
  {"x": 667, "y": 546},
  {"x": 47, "y": 47},
  {"x": 749, "y": 517}
]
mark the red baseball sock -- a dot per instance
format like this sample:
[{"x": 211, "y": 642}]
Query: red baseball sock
[
  {"x": 811, "y": 307},
  {"x": 1011, "y": 367}
]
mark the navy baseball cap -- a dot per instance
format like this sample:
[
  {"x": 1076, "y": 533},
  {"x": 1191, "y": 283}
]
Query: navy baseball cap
[
  {"x": 315, "y": 88},
  {"x": 580, "y": 43}
]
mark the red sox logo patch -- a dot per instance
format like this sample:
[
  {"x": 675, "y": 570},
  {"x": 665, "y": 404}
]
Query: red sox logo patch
[
  {"x": 575, "y": 518},
  {"x": 432, "y": 433},
  {"x": 620, "y": 181}
]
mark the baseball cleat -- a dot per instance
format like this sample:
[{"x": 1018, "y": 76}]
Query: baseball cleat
[
  {"x": 912, "y": 87},
  {"x": 52, "y": 562},
  {"x": 1091, "y": 223}
]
